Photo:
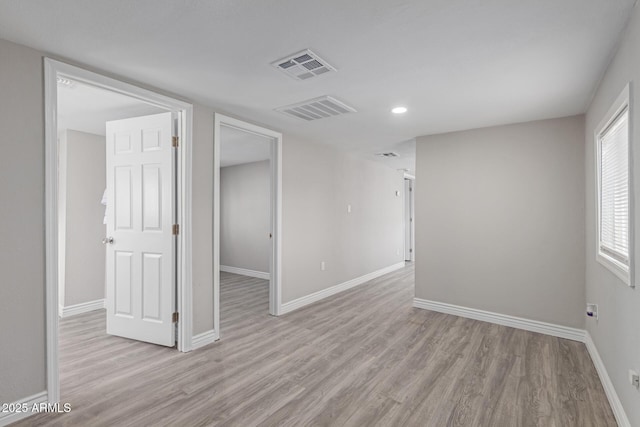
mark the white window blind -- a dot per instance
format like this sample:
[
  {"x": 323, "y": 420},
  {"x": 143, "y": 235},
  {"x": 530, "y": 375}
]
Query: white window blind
[{"x": 614, "y": 189}]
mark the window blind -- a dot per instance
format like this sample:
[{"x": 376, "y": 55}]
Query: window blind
[{"x": 614, "y": 189}]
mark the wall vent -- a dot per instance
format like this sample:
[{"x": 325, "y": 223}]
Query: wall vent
[
  {"x": 388, "y": 154},
  {"x": 317, "y": 108},
  {"x": 303, "y": 65}
]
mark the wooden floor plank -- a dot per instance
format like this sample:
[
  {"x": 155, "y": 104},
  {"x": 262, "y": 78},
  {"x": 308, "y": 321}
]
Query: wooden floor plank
[{"x": 360, "y": 358}]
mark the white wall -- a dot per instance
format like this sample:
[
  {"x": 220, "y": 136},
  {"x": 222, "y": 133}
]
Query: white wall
[
  {"x": 82, "y": 159},
  {"x": 22, "y": 289},
  {"x": 617, "y": 331},
  {"x": 318, "y": 183},
  {"x": 245, "y": 216},
  {"x": 500, "y": 220}
]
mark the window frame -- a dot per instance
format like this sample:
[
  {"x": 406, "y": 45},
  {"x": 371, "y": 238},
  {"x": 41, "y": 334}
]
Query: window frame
[{"x": 624, "y": 272}]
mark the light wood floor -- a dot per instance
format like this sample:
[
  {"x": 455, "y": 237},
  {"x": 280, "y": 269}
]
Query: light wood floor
[{"x": 360, "y": 358}]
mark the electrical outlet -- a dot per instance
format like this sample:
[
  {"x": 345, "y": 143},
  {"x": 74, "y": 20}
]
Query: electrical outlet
[
  {"x": 323, "y": 266},
  {"x": 397, "y": 251},
  {"x": 634, "y": 378},
  {"x": 592, "y": 310},
  {"x": 348, "y": 208}
]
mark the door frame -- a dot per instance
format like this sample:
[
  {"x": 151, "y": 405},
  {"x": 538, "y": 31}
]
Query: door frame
[
  {"x": 412, "y": 224},
  {"x": 275, "y": 297},
  {"x": 53, "y": 68}
]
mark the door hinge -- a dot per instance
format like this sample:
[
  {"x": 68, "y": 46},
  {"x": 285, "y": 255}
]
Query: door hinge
[
  {"x": 175, "y": 317},
  {"x": 176, "y": 229},
  {"x": 175, "y": 141},
  {"x": 410, "y": 251}
]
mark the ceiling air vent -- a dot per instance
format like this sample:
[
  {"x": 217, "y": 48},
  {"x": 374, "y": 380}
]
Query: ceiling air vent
[
  {"x": 389, "y": 154},
  {"x": 317, "y": 108},
  {"x": 303, "y": 65}
]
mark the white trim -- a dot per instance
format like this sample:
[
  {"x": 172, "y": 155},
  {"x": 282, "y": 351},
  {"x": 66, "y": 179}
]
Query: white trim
[
  {"x": 275, "y": 299},
  {"x": 245, "y": 272},
  {"x": 62, "y": 215},
  {"x": 623, "y": 272},
  {"x": 502, "y": 319},
  {"x": 325, "y": 293},
  {"x": 216, "y": 225},
  {"x": 84, "y": 307},
  {"x": 610, "y": 391},
  {"x": 51, "y": 226},
  {"x": 203, "y": 339},
  {"x": 407, "y": 175},
  {"x": 36, "y": 399},
  {"x": 184, "y": 301},
  {"x": 412, "y": 223},
  {"x": 52, "y": 69}
]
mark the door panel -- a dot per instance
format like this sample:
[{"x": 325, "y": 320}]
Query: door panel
[
  {"x": 123, "y": 204},
  {"x": 123, "y": 279},
  {"x": 151, "y": 285},
  {"x": 152, "y": 197},
  {"x": 141, "y": 259}
]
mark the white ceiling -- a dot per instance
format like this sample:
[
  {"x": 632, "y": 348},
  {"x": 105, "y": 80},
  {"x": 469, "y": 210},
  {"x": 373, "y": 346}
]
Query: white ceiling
[
  {"x": 456, "y": 64},
  {"x": 87, "y": 108},
  {"x": 238, "y": 147}
]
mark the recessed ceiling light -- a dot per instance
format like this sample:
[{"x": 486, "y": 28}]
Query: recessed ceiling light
[{"x": 399, "y": 110}]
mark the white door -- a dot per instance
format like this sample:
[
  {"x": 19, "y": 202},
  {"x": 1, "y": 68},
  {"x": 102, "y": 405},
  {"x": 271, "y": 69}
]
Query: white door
[{"x": 140, "y": 243}]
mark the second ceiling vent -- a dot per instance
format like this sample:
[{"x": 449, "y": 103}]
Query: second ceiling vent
[
  {"x": 317, "y": 108},
  {"x": 303, "y": 65}
]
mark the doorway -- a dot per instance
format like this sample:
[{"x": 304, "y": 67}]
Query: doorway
[
  {"x": 247, "y": 240},
  {"x": 138, "y": 146}
]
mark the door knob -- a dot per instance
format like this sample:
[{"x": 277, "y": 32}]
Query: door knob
[{"x": 107, "y": 241}]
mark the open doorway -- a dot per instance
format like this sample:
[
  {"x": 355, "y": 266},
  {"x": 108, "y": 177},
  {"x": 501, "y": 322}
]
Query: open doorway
[
  {"x": 115, "y": 192},
  {"x": 245, "y": 223},
  {"x": 246, "y": 218},
  {"x": 84, "y": 113}
]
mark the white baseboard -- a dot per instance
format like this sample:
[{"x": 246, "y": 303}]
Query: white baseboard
[
  {"x": 503, "y": 319},
  {"x": 610, "y": 391},
  {"x": 7, "y": 418},
  {"x": 203, "y": 339},
  {"x": 72, "y": 310},
  {"x": 317, "y": 296},
  {"x": 245, "y": 272}
]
